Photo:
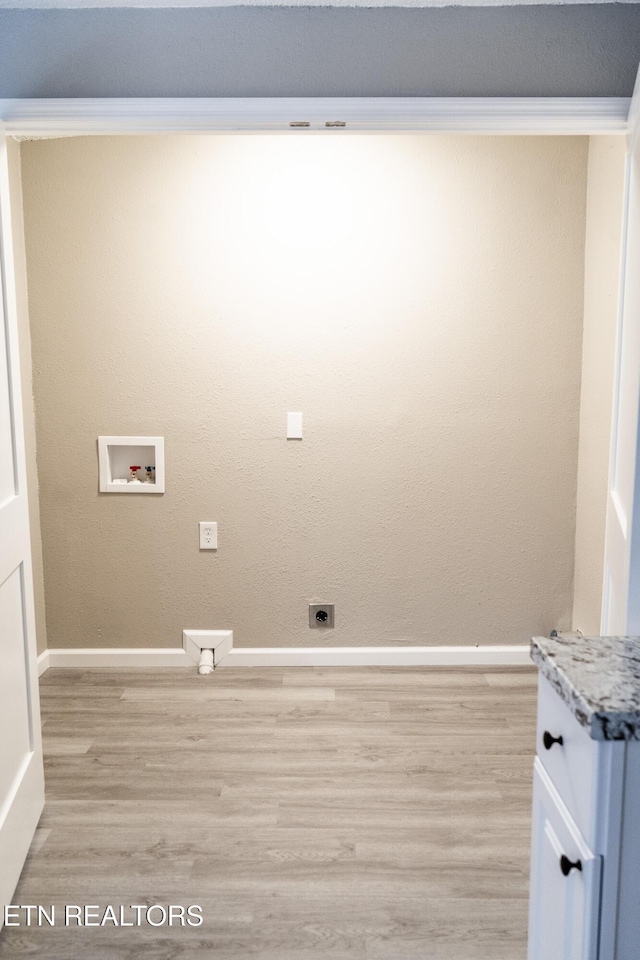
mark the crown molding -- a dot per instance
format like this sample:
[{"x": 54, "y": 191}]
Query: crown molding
[{"x": 502, "y": 115}]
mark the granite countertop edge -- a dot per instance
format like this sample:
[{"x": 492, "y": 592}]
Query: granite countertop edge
[{"x": 601, "y": 724}]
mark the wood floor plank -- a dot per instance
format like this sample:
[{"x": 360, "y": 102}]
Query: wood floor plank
[
  {"x": 362, "y": 787},
  {"x": 371, "y": 678},
  {"x": 123, "y": 711},
  {"x": 246, "y": 677},
  {"x": 526, "y": 679},
  {"x": 64, "y": 746},
  {"x": 78, "y": 691},
  {"x": 212, "y": 691},
  {"x": 345, "y": 878}
]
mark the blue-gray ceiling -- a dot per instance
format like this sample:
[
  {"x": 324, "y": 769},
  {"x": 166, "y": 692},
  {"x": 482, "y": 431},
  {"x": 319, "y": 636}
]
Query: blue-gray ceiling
[{"x": 531, "y": 51}]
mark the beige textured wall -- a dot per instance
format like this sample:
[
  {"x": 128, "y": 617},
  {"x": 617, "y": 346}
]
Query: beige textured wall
[
  {"x": 605, "y": 194},
  {"x": 15, "y": 186},
  {"x": 418, "y": 298}
]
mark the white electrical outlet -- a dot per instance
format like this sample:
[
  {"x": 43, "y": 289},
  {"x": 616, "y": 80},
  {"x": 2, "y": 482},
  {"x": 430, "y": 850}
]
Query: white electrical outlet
[{"x": 208, "y": 535}]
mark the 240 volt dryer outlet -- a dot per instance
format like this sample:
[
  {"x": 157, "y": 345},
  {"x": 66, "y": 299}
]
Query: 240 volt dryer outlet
[{"x": 321, "y": 615}]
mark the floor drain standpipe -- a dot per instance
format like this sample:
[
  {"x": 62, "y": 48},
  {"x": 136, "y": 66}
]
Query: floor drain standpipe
[{"x": 206, "y": 661}]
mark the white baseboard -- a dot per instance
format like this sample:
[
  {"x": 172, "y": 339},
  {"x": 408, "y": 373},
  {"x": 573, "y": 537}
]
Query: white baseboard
[
  {"x": 221, "y": 640},
  {"x": 43, "y": 662},
  {"x": 193, "y": 641},
  {"x": 113, "y": 657},
  {"x": 378, "y": 656}
]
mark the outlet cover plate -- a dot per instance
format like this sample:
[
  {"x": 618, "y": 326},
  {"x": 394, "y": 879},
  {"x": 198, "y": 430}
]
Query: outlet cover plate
[
  {"x": 316, "y": 618},
  {"x": 208, "y": 535}
]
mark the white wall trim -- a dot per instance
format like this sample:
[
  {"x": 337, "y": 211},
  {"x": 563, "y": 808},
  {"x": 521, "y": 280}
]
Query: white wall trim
[
  {"x": 43, "y": 662},
  {"x": 84, "y": 657},
  {"x": 489, "y": 115},
  {"x": 489, "y": 656},
  {"x": 194, "y": 641},
  {"x": 379, "y": 656}
]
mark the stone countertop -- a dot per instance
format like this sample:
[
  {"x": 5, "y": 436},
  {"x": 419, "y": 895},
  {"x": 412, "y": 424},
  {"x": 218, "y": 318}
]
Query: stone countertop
[{"x": 598, "y": 678}]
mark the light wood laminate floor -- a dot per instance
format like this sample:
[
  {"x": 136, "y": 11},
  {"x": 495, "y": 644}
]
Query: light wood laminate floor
[{"x": 352, "y": 813}]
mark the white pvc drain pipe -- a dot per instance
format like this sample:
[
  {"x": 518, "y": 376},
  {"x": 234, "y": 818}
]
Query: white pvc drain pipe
[{"x": 206, "y": 661}]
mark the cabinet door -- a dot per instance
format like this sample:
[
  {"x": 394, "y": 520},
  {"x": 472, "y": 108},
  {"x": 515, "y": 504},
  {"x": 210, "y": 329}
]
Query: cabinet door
[{"x": 564, "y": 904}]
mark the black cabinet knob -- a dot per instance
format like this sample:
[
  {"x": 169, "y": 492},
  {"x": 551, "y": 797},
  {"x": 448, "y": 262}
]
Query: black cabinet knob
[
  {"x": 549, "y": 741},
  {"x": 567, "y": 866}
]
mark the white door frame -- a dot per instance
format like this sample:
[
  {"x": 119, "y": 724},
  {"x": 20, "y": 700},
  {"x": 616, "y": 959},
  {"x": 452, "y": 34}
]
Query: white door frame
[
  {"x": 328, "y": 116},
  {"x": 621, "y": 586},
  {"x": 22, "y": 793}
]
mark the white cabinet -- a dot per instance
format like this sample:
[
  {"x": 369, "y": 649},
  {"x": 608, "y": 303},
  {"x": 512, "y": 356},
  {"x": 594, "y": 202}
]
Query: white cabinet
[
  {"x": 586, "y": 819},
  {"x": 572, "y": 765},
  {"x": 565, "y": 881}
]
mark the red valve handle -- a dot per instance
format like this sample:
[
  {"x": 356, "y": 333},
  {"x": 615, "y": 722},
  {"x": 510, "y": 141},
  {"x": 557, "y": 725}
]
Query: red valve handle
[{"x": 134, "y": 468}]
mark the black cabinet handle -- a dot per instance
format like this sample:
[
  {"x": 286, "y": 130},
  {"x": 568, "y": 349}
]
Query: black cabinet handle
[
  {"x": 567, "y": 866},
  {"x": 549, "y": 741}
]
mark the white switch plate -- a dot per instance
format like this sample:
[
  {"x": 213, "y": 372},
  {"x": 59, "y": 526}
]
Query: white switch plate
[
  {"x": 294, "y": 426},
  {"x": 208, "y": 535}
]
